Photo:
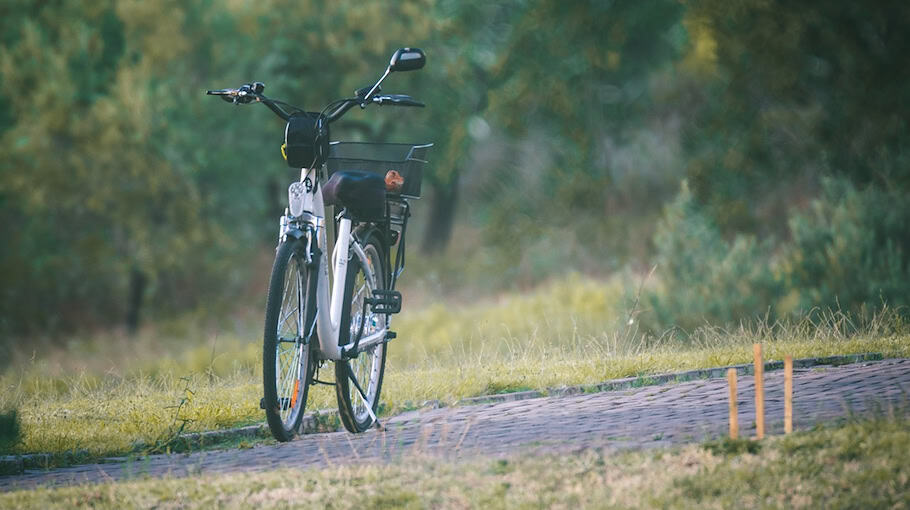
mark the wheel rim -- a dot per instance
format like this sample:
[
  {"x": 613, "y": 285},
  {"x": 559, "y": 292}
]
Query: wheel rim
[
  {"x": 367, "y": 365},
  {"x": 291, "y": 354}
]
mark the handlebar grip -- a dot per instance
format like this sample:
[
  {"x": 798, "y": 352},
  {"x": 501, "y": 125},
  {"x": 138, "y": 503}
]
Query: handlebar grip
[{"x": 398, "y": 100}]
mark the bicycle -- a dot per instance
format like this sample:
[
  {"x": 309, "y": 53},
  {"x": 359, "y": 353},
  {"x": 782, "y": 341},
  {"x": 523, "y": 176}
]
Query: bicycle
[{"x": 309, "y": 322}]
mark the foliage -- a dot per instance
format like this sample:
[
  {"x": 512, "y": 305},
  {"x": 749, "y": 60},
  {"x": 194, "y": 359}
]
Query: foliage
[
  {"x": 800, "y": 90},
  {"x": 784, "y": 114},
  {"x": 90, "y": 175},
  {"x": 114, "y": 165},
  {"x": 563, "y": 129},
  {"x": 572, "y": 83},
  {"x": 703, "y": 278},
  {"x": 848, "y": 251},
  {"x": 851, "y": 249}
]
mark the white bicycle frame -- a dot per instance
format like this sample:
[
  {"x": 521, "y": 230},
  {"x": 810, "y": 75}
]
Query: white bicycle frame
[{"x": 307, "y": 211}]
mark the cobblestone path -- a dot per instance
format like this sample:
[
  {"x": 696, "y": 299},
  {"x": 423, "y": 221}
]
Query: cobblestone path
[{"x": 640, "y": 418}]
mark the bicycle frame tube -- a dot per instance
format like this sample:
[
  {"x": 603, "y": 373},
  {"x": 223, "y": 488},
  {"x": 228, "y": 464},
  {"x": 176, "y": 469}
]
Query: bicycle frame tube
[{"x": 329, "y": 303}]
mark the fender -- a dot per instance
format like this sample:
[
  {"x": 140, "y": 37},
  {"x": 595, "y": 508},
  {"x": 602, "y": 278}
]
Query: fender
[
  {"x": 295, "y": 233},
  {"x": 360, "y": 234},
  {"x": 363, "y": 232}
]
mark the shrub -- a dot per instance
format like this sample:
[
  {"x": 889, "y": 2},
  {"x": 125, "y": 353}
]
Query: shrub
[
  {"x": 704, "y": 278},
  {"x": 850, "y": 250}
]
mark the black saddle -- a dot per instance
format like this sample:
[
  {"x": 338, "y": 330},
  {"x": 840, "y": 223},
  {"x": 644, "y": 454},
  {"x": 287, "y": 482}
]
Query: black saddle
[{"x": 361, "y": 193}]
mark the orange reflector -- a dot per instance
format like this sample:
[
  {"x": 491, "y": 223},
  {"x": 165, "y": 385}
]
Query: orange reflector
[
  {"x": 296, "y": 391},
  {"x": 393, "y": 181}
]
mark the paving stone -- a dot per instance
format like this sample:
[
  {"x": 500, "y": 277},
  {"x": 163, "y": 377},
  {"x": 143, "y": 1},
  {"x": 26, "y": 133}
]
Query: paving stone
[{"x": 636, "y": 418}]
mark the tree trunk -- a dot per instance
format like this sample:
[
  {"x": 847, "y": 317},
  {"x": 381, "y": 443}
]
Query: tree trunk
[{"x": 442, "y": 218}]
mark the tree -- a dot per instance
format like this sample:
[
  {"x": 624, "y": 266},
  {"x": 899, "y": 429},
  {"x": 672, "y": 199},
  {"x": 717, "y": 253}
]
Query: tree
[
  {"x": 88, "y": 173},
  {"x": 803, "y": 89}
]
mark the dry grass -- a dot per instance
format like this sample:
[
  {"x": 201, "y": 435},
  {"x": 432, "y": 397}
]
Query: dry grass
[
  {"x": 106, "y": 393},
  {"x": 856, "y": 465}
]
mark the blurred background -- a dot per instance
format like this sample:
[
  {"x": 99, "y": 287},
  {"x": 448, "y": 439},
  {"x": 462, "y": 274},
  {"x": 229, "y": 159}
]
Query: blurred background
[{"x": 718, "y": 160}]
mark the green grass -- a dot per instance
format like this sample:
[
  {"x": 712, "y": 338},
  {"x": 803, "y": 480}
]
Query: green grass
[
  {"x": 105, "y": 394},
  {"x": 860, "y": 464}
]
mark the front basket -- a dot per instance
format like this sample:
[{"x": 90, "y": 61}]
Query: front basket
[{"x": 405, "y": 158}]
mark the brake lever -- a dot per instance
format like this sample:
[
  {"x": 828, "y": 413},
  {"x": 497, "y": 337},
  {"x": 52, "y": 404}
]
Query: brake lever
[
  {"x": 227, "y": 95},
  {"x": 360, "y": 93},
  {"x": 246, "y": 94}
]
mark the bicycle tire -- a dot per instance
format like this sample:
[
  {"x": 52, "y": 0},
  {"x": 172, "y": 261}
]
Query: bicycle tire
[
  {"x": 287, "y": 357},
  {"x": 368, "y": 366}
]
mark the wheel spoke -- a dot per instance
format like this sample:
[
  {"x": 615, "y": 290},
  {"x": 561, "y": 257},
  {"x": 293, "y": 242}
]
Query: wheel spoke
[
  {"x": 290, "y": 306},
  {"x": 288, "y": 330},
  {"x": 286, "y": 363},
  {"x": 358, "y": 294},
  {"x": 288, "y": 359},
  {"x": 363, "y": 364},
  {"x": 287, "y": 383}
]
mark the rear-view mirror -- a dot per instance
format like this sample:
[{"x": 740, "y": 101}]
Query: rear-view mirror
[{"x": 407, "y": 59}]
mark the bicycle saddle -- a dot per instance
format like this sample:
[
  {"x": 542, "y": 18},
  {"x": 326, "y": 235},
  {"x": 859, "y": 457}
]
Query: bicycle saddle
[{"x": 361, "y": 193}]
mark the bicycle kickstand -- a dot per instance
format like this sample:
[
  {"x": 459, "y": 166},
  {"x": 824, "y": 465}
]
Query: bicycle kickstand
[{"x": 363, "y": 396}]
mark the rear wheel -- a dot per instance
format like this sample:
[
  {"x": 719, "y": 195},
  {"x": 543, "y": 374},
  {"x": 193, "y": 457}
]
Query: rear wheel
[
  {"x": 364, "y": 276},
  {"x": 287, "y": 360}
]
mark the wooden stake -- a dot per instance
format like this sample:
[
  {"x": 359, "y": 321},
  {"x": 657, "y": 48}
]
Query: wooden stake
[
  {"x": 759, "y": 392},
  {"x": 788, "y": 394},
  {"x": 734, "y": 416}
]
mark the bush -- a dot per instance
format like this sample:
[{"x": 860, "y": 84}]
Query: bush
[
  {"x": 704, "y": 278},
  {"x": 850, "y": 250}
]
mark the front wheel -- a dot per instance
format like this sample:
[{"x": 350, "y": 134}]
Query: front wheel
[
  {"x": 364, "y": 276},
  {"x": 287, "y": 361}
]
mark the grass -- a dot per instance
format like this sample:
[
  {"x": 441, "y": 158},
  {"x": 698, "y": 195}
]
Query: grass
[
  {"x": 107, "y": 394},
  {"x": 858, "y": 464}
]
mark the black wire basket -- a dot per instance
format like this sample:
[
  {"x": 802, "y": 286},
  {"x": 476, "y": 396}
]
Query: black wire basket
[{"x": 405, "y": 158}]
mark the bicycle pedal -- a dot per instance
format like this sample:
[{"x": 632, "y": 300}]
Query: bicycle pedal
[{"x": 384, "y": 301}]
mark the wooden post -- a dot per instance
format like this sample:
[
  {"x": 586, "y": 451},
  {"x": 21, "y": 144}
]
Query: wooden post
[
  {"x": 734, "y": 416},
  {"x": 759, "y": 392},
  {"x": 788, "y": 394}
]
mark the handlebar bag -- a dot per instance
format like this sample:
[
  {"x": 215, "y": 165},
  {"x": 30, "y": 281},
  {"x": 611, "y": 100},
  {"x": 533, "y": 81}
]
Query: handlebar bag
[{"x": 306, "y": 140}]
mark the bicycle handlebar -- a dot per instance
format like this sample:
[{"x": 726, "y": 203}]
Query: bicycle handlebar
[{"x": 252, "y": 92}]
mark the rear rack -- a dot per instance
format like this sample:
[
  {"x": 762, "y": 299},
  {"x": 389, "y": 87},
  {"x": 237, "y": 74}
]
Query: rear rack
[{"x": 398, "y": 210}]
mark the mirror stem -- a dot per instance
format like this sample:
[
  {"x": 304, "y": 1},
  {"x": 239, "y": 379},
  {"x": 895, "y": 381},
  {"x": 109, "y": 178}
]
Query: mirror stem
[{"x": 367, "y": 97}]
